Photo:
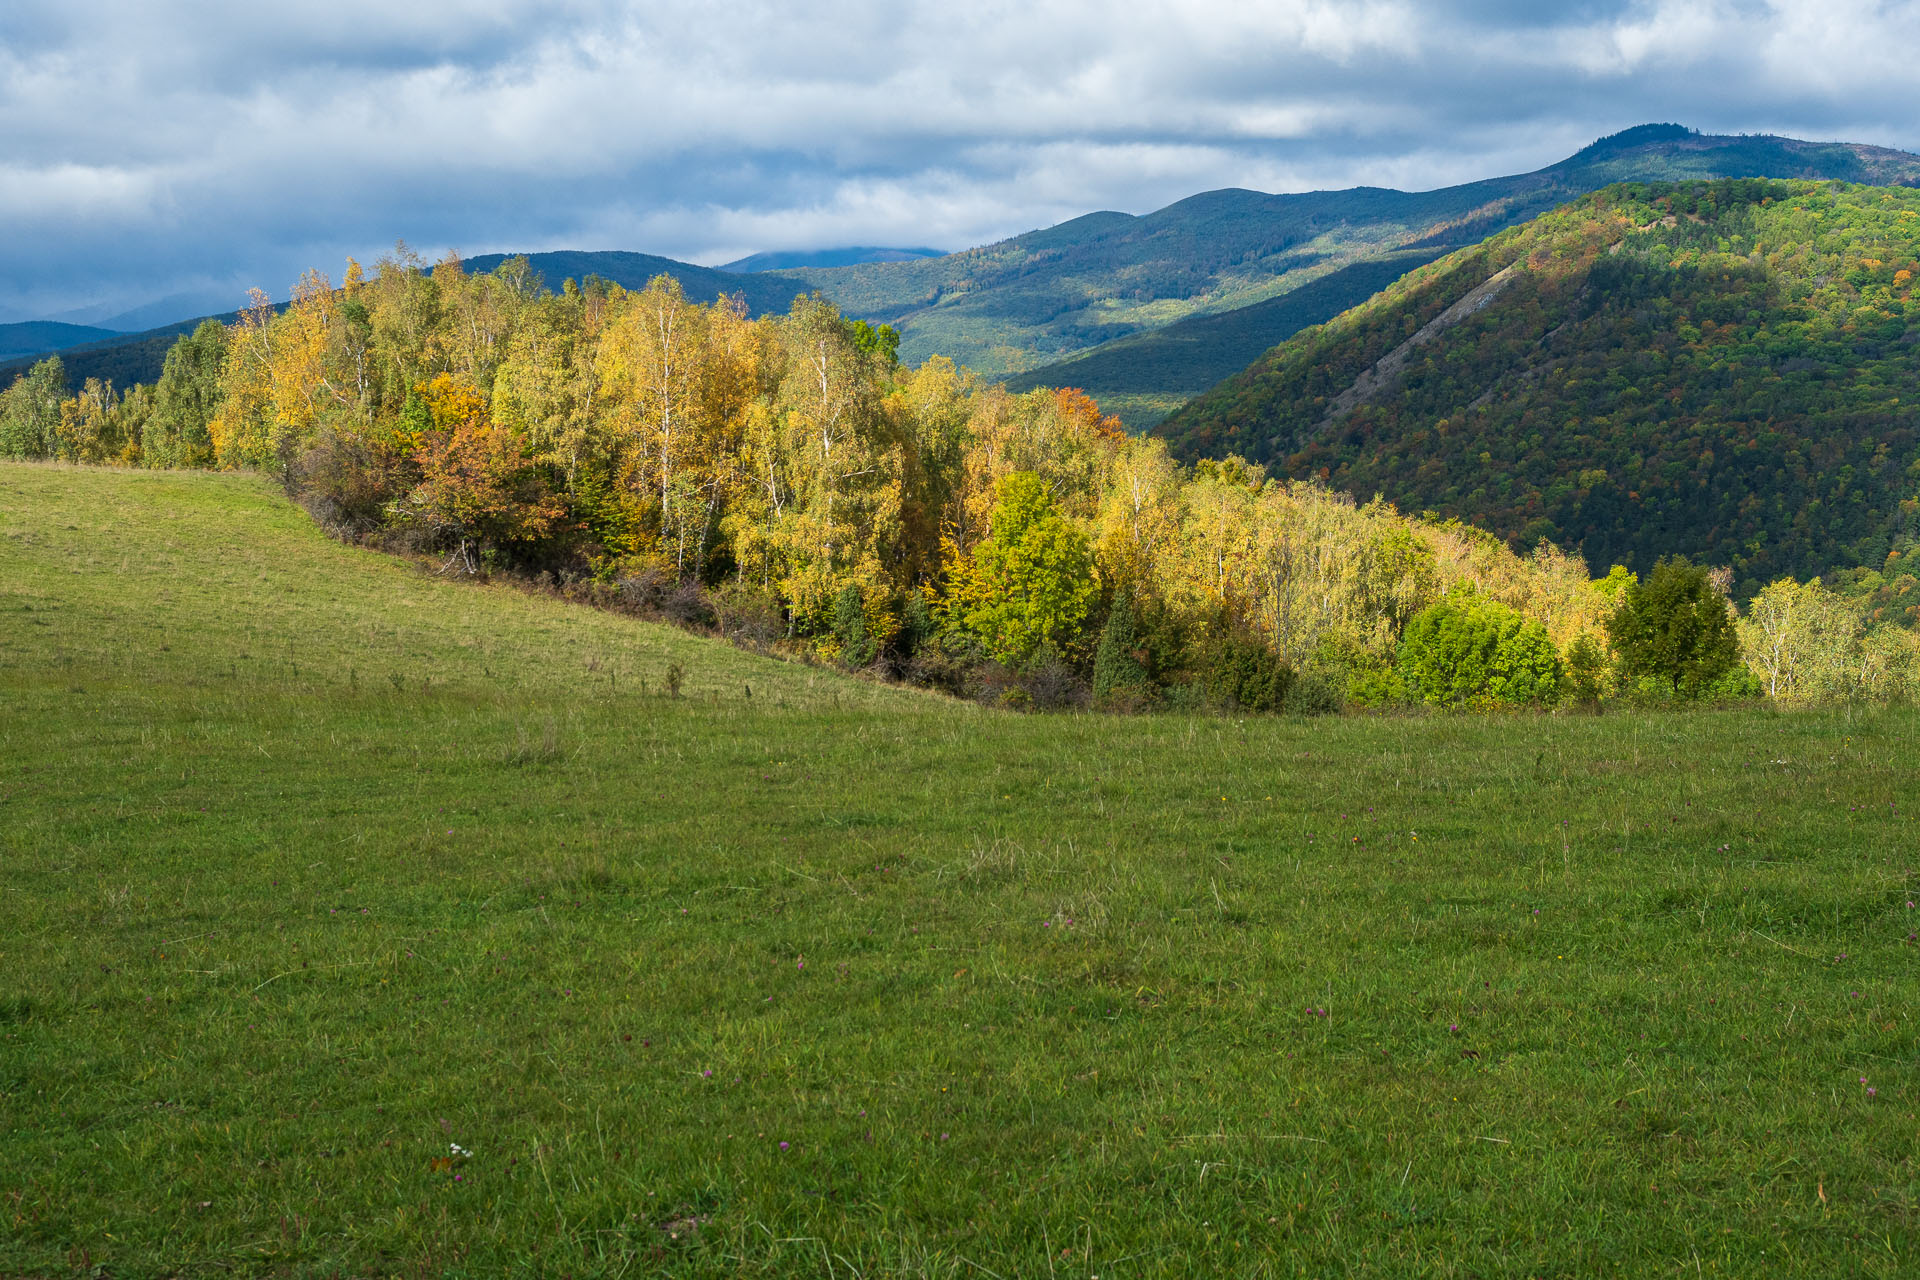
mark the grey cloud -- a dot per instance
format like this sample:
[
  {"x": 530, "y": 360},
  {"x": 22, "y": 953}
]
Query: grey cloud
[{"x": 150, "y": 148}]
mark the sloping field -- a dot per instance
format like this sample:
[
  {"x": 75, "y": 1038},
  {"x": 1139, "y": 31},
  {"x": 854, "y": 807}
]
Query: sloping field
[{"x": 353, "y": 922}]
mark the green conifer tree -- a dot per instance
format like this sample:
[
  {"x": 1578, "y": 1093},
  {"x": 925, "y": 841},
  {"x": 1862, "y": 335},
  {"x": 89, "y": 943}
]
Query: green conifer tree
[{"x": 1116, "y": 663}]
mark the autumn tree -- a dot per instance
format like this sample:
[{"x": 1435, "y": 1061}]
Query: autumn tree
[
  {"x": 479, "y": 493},
  {"x": 1030, "y": 582}
]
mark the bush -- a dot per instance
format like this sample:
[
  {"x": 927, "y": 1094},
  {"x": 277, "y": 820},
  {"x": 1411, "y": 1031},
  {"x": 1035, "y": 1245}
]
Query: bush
[
  {"x": 1736, "y": 685},
  {"x": 1586, "y": 671},
  {"x": 1312, "y": 695},
  {"x": 1469, "y": 650},
  {"x": 1050, "y": 684},
  {"x": 1240, "y": 673},
  {"x": 748, "y": 615},
  {"x": 916, "y": 624},
  {"x": 936, "y": 665},
  {"x": 346, "y": 482},
  {"x": 643, "y": 585},
  {"x": 686, "y": 605}
]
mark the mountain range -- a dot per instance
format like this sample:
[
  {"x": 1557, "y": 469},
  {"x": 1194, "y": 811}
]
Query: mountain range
[
  {"x": 1146, "y": 312},
  {"x": 1259, "y": 250}
]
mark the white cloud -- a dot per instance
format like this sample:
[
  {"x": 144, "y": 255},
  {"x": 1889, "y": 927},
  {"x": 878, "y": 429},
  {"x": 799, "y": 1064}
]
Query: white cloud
[{"x": 143, "y": 143}]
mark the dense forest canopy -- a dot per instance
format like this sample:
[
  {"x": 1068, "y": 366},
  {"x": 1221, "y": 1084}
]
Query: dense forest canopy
[
  {"x": 1725, "y": 370},
  {"x": 787, "y": 480}
]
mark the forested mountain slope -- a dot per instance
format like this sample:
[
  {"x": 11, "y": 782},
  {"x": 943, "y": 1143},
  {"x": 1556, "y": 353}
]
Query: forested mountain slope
[
  {"x": 1343, "y": 240},
  {"x": 784, "y": 259},
  {"x": 32, "y": 337},
  {"x": 1722, "y": 369}
]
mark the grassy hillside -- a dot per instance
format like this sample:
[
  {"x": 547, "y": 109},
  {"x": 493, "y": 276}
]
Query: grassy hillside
[
  {"x": 319, "y": 868},
  {"x": 1020, "y": 305},
  {"x": 1721, "y": 369}
]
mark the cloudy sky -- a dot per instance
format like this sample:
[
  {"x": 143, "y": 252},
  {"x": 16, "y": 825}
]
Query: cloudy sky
[{"x": 153, "y": 147}]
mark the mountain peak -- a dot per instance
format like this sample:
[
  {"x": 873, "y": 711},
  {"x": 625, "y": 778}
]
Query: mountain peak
[{"x": 1639, "y": 135}]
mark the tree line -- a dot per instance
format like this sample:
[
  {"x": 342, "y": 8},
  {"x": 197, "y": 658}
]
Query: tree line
[{"x": 787, "y": 482}]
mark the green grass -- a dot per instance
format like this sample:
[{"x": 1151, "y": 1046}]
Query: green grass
[{"x": 430, "y": 865}]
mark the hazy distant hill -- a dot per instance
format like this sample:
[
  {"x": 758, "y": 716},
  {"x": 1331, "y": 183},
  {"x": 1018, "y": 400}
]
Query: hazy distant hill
[
  {"x": 123, "y": 358},
  {"x": 782, "y": 260},
  {"x": 1022, "y": 304},
  {"x": 32, "y": 337},
  {"x": 1726, "y": 369}
]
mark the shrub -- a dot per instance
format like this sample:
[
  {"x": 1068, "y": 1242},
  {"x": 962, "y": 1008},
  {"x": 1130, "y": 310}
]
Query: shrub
[
  {"x": 1468, "y": 650},
  {"x": 1050, "y": 683},
  {"x": 1240, "y": 673},
  {"x": 1119, "y": 672},
  {"x": 748, "y": 615},
  {"x": 687, "y": 605},
  {"x": 1312, "y": 694},
  {"x": 643, "y": 584},
  {"x": 346, "y": 482},
  {"x": 916, "y": 624}
]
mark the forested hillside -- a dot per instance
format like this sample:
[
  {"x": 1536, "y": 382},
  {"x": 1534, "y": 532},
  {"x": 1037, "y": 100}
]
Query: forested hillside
[
  {"x": 1023, "y": 303},
  {"x": 1725, "y": 370},
  {"x": 787, "y": 481},
  {"x": 35, "y": 336}
]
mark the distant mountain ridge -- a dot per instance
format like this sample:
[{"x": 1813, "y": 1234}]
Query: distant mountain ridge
[
  {"x": 783, "y": 260},
  {"x": 30, "y": 337},
  {"x": 1722, "y": 369},
  {"x": 1108, "y": 279}
]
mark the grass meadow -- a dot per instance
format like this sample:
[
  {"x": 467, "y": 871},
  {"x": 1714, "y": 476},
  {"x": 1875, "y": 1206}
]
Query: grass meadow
[{"x": 354, "y": 922}]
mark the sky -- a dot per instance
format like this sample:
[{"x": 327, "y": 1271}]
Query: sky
[{"x": 153, "y": 149}]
